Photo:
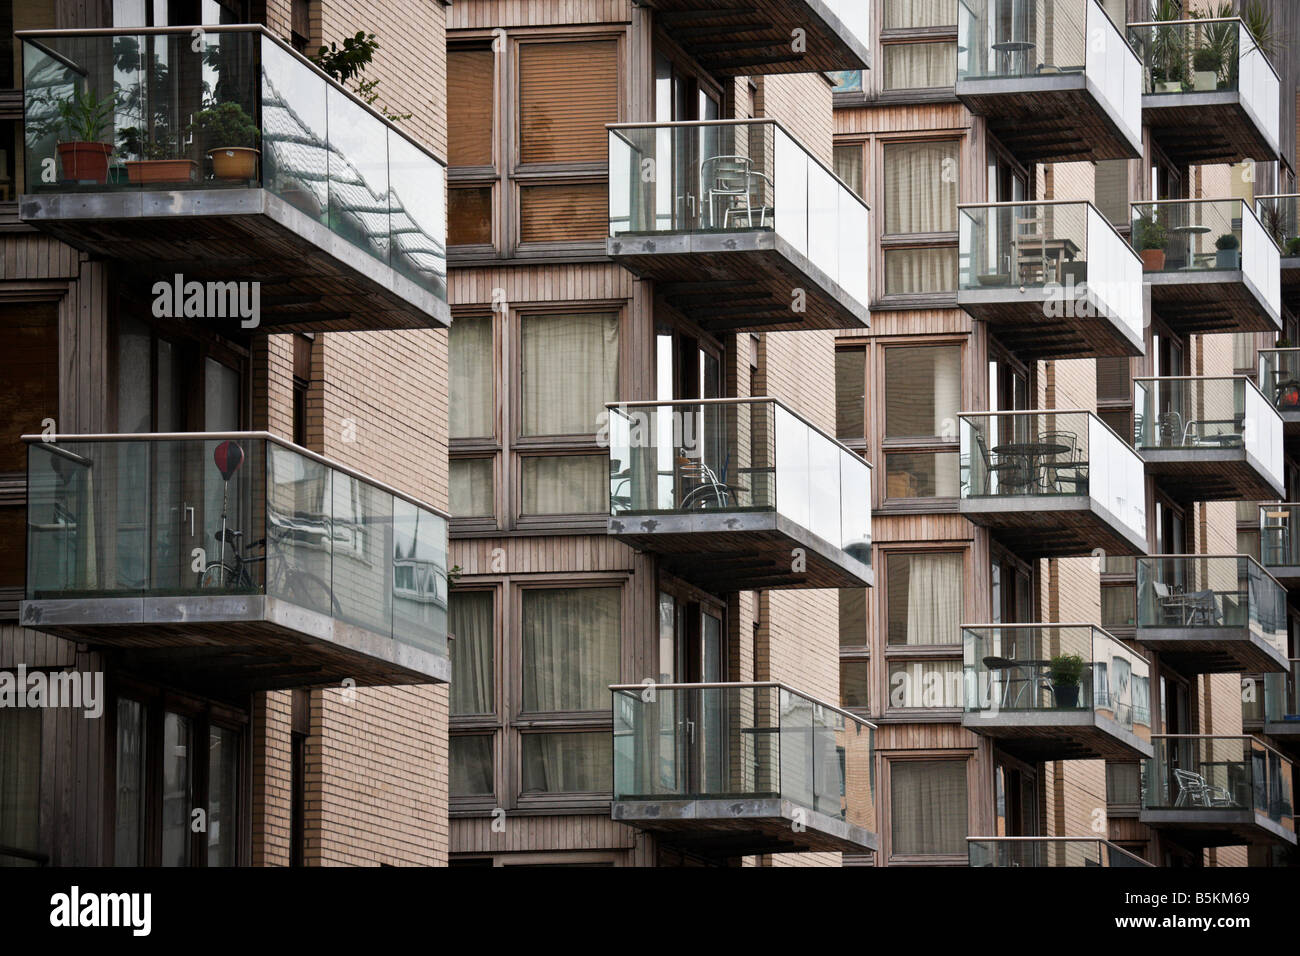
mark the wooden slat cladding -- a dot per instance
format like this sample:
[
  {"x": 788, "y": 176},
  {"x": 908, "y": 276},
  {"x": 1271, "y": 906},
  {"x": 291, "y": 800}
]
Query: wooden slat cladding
[
  {"x": 29, "y": 365},
  {"x": 563, "y": 213},
  {"x": 567, "y": 93},
  {"x": 469, "y": 106}
]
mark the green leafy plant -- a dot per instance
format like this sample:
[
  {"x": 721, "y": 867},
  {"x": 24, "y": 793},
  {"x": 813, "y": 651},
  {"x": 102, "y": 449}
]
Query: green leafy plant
[
  {"x": 1293, "y": 246},
  {"x": 1066, "y": 670},
  {"x": 161, "y": 145},
  {"x": 1206, "y": 60},
  {"x": 1226, "y": 241},
  {"x": 1151, "y": 234},
  {"x": 1259, "y": 22},
  {"x": 348, "y": 63},
  {"x": 224, "y": 125},
  {"x": 1283, "y": 343},
  {"x": 85, "y": 117}
]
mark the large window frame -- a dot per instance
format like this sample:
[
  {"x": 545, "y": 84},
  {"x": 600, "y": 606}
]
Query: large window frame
[
  {"x": 920, "y": 654},
  {"x": 949, "y": 444},
  {"x": 892, "y": 760}
]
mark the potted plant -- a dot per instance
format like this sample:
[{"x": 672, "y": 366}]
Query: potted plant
[
  {"x": 1293, "y": 246},
  {"x": 230, "y": 136},
  {"x": 1229, "y": 252},
  {"x": 82, "y": 121},
  {"x": 1205, "y": 69},
  {"x": 1065, "y": 671},
  {"x": 1151, "y": 241},
  {"x": 158, "y": 162}
]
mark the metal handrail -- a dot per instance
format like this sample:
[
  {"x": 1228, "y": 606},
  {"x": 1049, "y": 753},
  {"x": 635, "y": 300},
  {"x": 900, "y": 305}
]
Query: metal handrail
[
  {"x": 236, "y": 436},
  {"x": 1045, "y": 626},
  {"x": 744, "y": 685},
  {"x": 1251, "y": 737},
  {"x": 1056, "y": 839}
]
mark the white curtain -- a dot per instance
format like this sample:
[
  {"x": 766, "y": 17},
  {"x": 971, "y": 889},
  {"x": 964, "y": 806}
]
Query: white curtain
[
  {"x": 920, "y": 66},
  {"x": 928, "y": 802},
  {"x": 470, "y": 622},
  {"x": 920, "y": 188},
  {"x": 471, "y": 487},
  {"x": 570, "y": 648},
  {"x": 565, "y": 484},
  {"x": 925, "y": 598},
  {"x": 904, "y": 14},
  {"x": 932, "y": 269},
  {"x": 570, "y": 370},
  {"x": 925, "y": 684},
  {"x": 470, "y": 391},
  {"x": 566, "y": 763}
]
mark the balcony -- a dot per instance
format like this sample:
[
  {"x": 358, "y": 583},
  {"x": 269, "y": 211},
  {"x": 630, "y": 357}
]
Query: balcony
[
  {"x": 1212, "y": 614},
  {"x": 737, "y": 495},
  {"x": 1280, "y": 215},
  {"x": 339, "y": 216},
  {"x": 1211, "y": 266},
  {"x": 1279, "y": 541},
  {"x": 728, "y": 770},
  {"x": 1218, "y": 791},
  {"x": 1279, "y": 381},
  {"x": 1281, "y": 693},
  {"x": 1055, "y": 79},
  {"x": 233, "y": 562},
  {"x": 741, "y": 227},
  {"x": 1049, "y": 851},
  {"x": 1056, "y": 692},
  {"x": 1054, "y": 280},
  {"x": 1209, "y": 95},
  {"x": 1052, "y": 484},
  {"x": 757, "y": 39},
  {"x": 1209, "y": 439}
]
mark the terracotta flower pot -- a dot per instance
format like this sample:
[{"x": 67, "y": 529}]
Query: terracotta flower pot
[
  {"x": 145, "y": 171},
  {"x": 84, "y": 162},
  {"x": 234, "y": 162},
  {"x": 1153, "y": 260}
]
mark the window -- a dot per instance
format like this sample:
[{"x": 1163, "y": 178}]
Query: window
[
  {"x": 919, "y": 45},
  {"x": 854, "y": 684},
  {"x": 925, "y": 683},
  {"x": 851, "y": 396},
  {"x": 849, "y": 167},
  {"x": 470, "y": 621},
  {"x": 570, "y": 647},
  {"x": 20, "y": 787},
  {"x": 919, "y": 237},
  {"x": 855, "y": 660},
  {"x": 922, "y": 398},
  {"x": 928, "y": 808},
  {"x": 920, "y": 66},
  {"x": 924, "y": 598}
]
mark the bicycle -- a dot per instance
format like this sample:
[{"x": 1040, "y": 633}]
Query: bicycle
[{"x": 295, "y": 585}]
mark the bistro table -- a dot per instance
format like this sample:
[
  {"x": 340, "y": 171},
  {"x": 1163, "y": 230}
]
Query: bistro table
[
  {"x": 1189, "y": 232},
  {"x": 1008, "y": 51},
  {"x": 1031, "y": 455},
  {"x": 1021, "y": 674}
]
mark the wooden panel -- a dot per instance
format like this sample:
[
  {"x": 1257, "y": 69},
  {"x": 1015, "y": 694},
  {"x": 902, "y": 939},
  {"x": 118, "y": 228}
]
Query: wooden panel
[
  {"x": 1033, "y": 528},
  {"x": 1215, "y": 302},
  {"x": 1194, "y": 476},
  {"x": 1225, "y": 651},
  {"x": 1046, "y": 125},
  {"x": 1204, "y": 129},
  {"x": 1024, "y": 327}
]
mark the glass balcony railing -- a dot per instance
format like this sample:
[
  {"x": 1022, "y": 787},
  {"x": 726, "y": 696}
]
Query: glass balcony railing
[
  {"x": 232, "y": 107},
  {"x": 1056, "y": 668},
  {"x": 1199, "y": 413},
  {"x": 738, "y": 456},
  {"x": 742, "y": 742},
  {"x": 1035, "y": 40},
  {"x": 1282, "y": 697},
  {"x": 208, "y": 516},
  {"x": 1209, "y": 775},
  {"x": 1065, "y": 248},
  {"x": 1279, "y": 535},
  {"x": 1280, "y": 216},
  {"x": 1049, "y": 455},
  {"x": 1279, "y": 378},
  {"x": 1049, "y": 851},
  {"x": 1197, "y": 592},
  {"x": 737, "y": 176},
  {"x": 1211, "y": 55},
  {"x": 1206, "y": 235}
]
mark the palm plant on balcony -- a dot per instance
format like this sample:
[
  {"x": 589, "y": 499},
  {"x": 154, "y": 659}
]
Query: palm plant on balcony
[
  {"x": 1168, "y": 49},
  {"x": 1065, "y": 671}
]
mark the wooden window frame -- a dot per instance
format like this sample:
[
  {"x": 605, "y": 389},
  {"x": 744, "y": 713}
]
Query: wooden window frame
[
  {"x": 913, "y": 444},
  {"x": 489, "y": 724},
  {"x": 911, "y": 653},
  {"x": 967, "y": 757}
]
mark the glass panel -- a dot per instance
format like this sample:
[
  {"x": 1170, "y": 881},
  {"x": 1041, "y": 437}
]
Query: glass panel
[
  {"x": 570, "y": 645},
  {"x": 922, "y": 475},
  {"x": 471, "y": 390},
  {"x": 472, "y": 488},
  {"x": 419, "y": 575},
  {"x": 1191, "y": 236},
  {"x": 362, "y": 534},
  {"x": 924, "y": 598},
  {"x": 565, "y": 763},
  {"x": 1205, "y": 776},
  {"x": 471, "y": 765},
  {"x": 473, "y": 652},
  {"x": 928, "y": 807},
  {"x": 299, "y": 539},
  {"x": 850, "y": 394},
  {"x": 176, "y": 799},
  {"x": 922, "y": 391},
  {"x": 925, "y": 684},
  {"x": 570, "y": 370},
  {"x": 128, "y": 829},
  {"x": 919, "y": 66},
  {"x": 20, "y": 781},
  {"x": 918, "y": 271},
  {"x": 358, "y": 168},
  {"x": 921, "y": 187},
  {"x": 565, "y": 484},
  {"x": 469, "y": 220},
  {"x": 853, "y": 617},
  {"x": 1280, "y": 216},
  {"x": 1212, "y": 592},
  {"x": 855, "y": 684},
  {"x": 1279, "y": 377},
  {"x": 417, "y": 228},
  {"x": 223, "y": 797}
]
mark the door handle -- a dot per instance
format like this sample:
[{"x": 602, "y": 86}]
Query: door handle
[
  {"x": 188, "y": 510},
  {"x": 690, "y": 730}
]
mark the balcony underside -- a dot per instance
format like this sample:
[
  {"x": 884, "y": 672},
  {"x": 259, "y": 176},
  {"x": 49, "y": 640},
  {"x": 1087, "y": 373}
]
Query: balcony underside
[
  {"x": 1209, "y": 302},
  {"x": 237, "y": 643},
  {"x": 1021, "y": 322},
  {"x": 754, "y": 38},
  {"x": 1290, "y": 422},
  {"x": 1200, "y": 129},
  {"x": 1198, "y": 828},
  {"x": 1213, "y": 650},
  {"x": 312, "y": 279},
  {"x": 738, "y": 281},
  {"x": 1035, "y": 526},
  {"x": 1048, "y": 119},
  {"x": 1210, "y": 474},
  {"x": 1291, "y": 282},
  {"x": 743, "y": 826},
  {"x": 736, "y": 551},
  {"x": 1057, "y": 735},
  {"x": 1288, "y": 575}
]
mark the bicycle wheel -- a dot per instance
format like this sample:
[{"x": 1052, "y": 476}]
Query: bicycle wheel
[{"x": 217, "y": 577}]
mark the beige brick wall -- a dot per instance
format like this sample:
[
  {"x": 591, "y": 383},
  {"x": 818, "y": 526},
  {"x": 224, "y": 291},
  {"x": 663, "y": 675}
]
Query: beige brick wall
[{"x": 802, "y": 104}]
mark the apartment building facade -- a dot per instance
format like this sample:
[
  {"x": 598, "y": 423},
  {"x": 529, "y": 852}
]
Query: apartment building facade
[{"x": 228, "y": 512}]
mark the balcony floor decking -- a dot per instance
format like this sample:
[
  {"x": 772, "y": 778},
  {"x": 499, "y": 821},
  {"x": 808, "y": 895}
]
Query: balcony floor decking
[
  {"x": 742, "y": 280},
  {"x": 1209, "y": 473},
  {"x": 1213, "y": 650},
  {"x": 1046, "y": 735},
  {"x": 740, "y": 551},
  {"x": 742, "y": 826},
  {"x": 1020, "y": 321},
  {"x": 236, "y": 643},
  {"x": 312, "y": 279},
  {"x": 1041, "y": 526},
  {"x": 1210, "y": 301},
  {"x": 1205, "y": 128},
  {"x": 1200, "y": 828}
]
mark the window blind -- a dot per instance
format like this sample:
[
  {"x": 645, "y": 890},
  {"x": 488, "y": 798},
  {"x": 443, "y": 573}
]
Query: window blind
[
  {"x": 469, "y": 107},
  {"x": 567, "y": 93}
]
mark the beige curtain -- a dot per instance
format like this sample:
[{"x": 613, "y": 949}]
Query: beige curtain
[
  {"x": 911, "y": 271},
  {"x": 470, "y": 622},
  {"x": 471, "y": 487},
  {"x": 913, "y": 410},
  {"x": 566, "y": 763},
  {"x": 920, "y": 188},
  {"x": 925, "y": 598},
  {"x": 570, "y": 648},
  {"x": 565, "y": 484},
  {"x": 470, "y": 392},
  {"x": 570, "y": 370},
  {"x": 920, "y": 66},
  {"x": 906, "y": 14},
  {"x": 471, "y": 765},
  {"x": 925, "y": 684},
  {"x": 928, "y": 802}
]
